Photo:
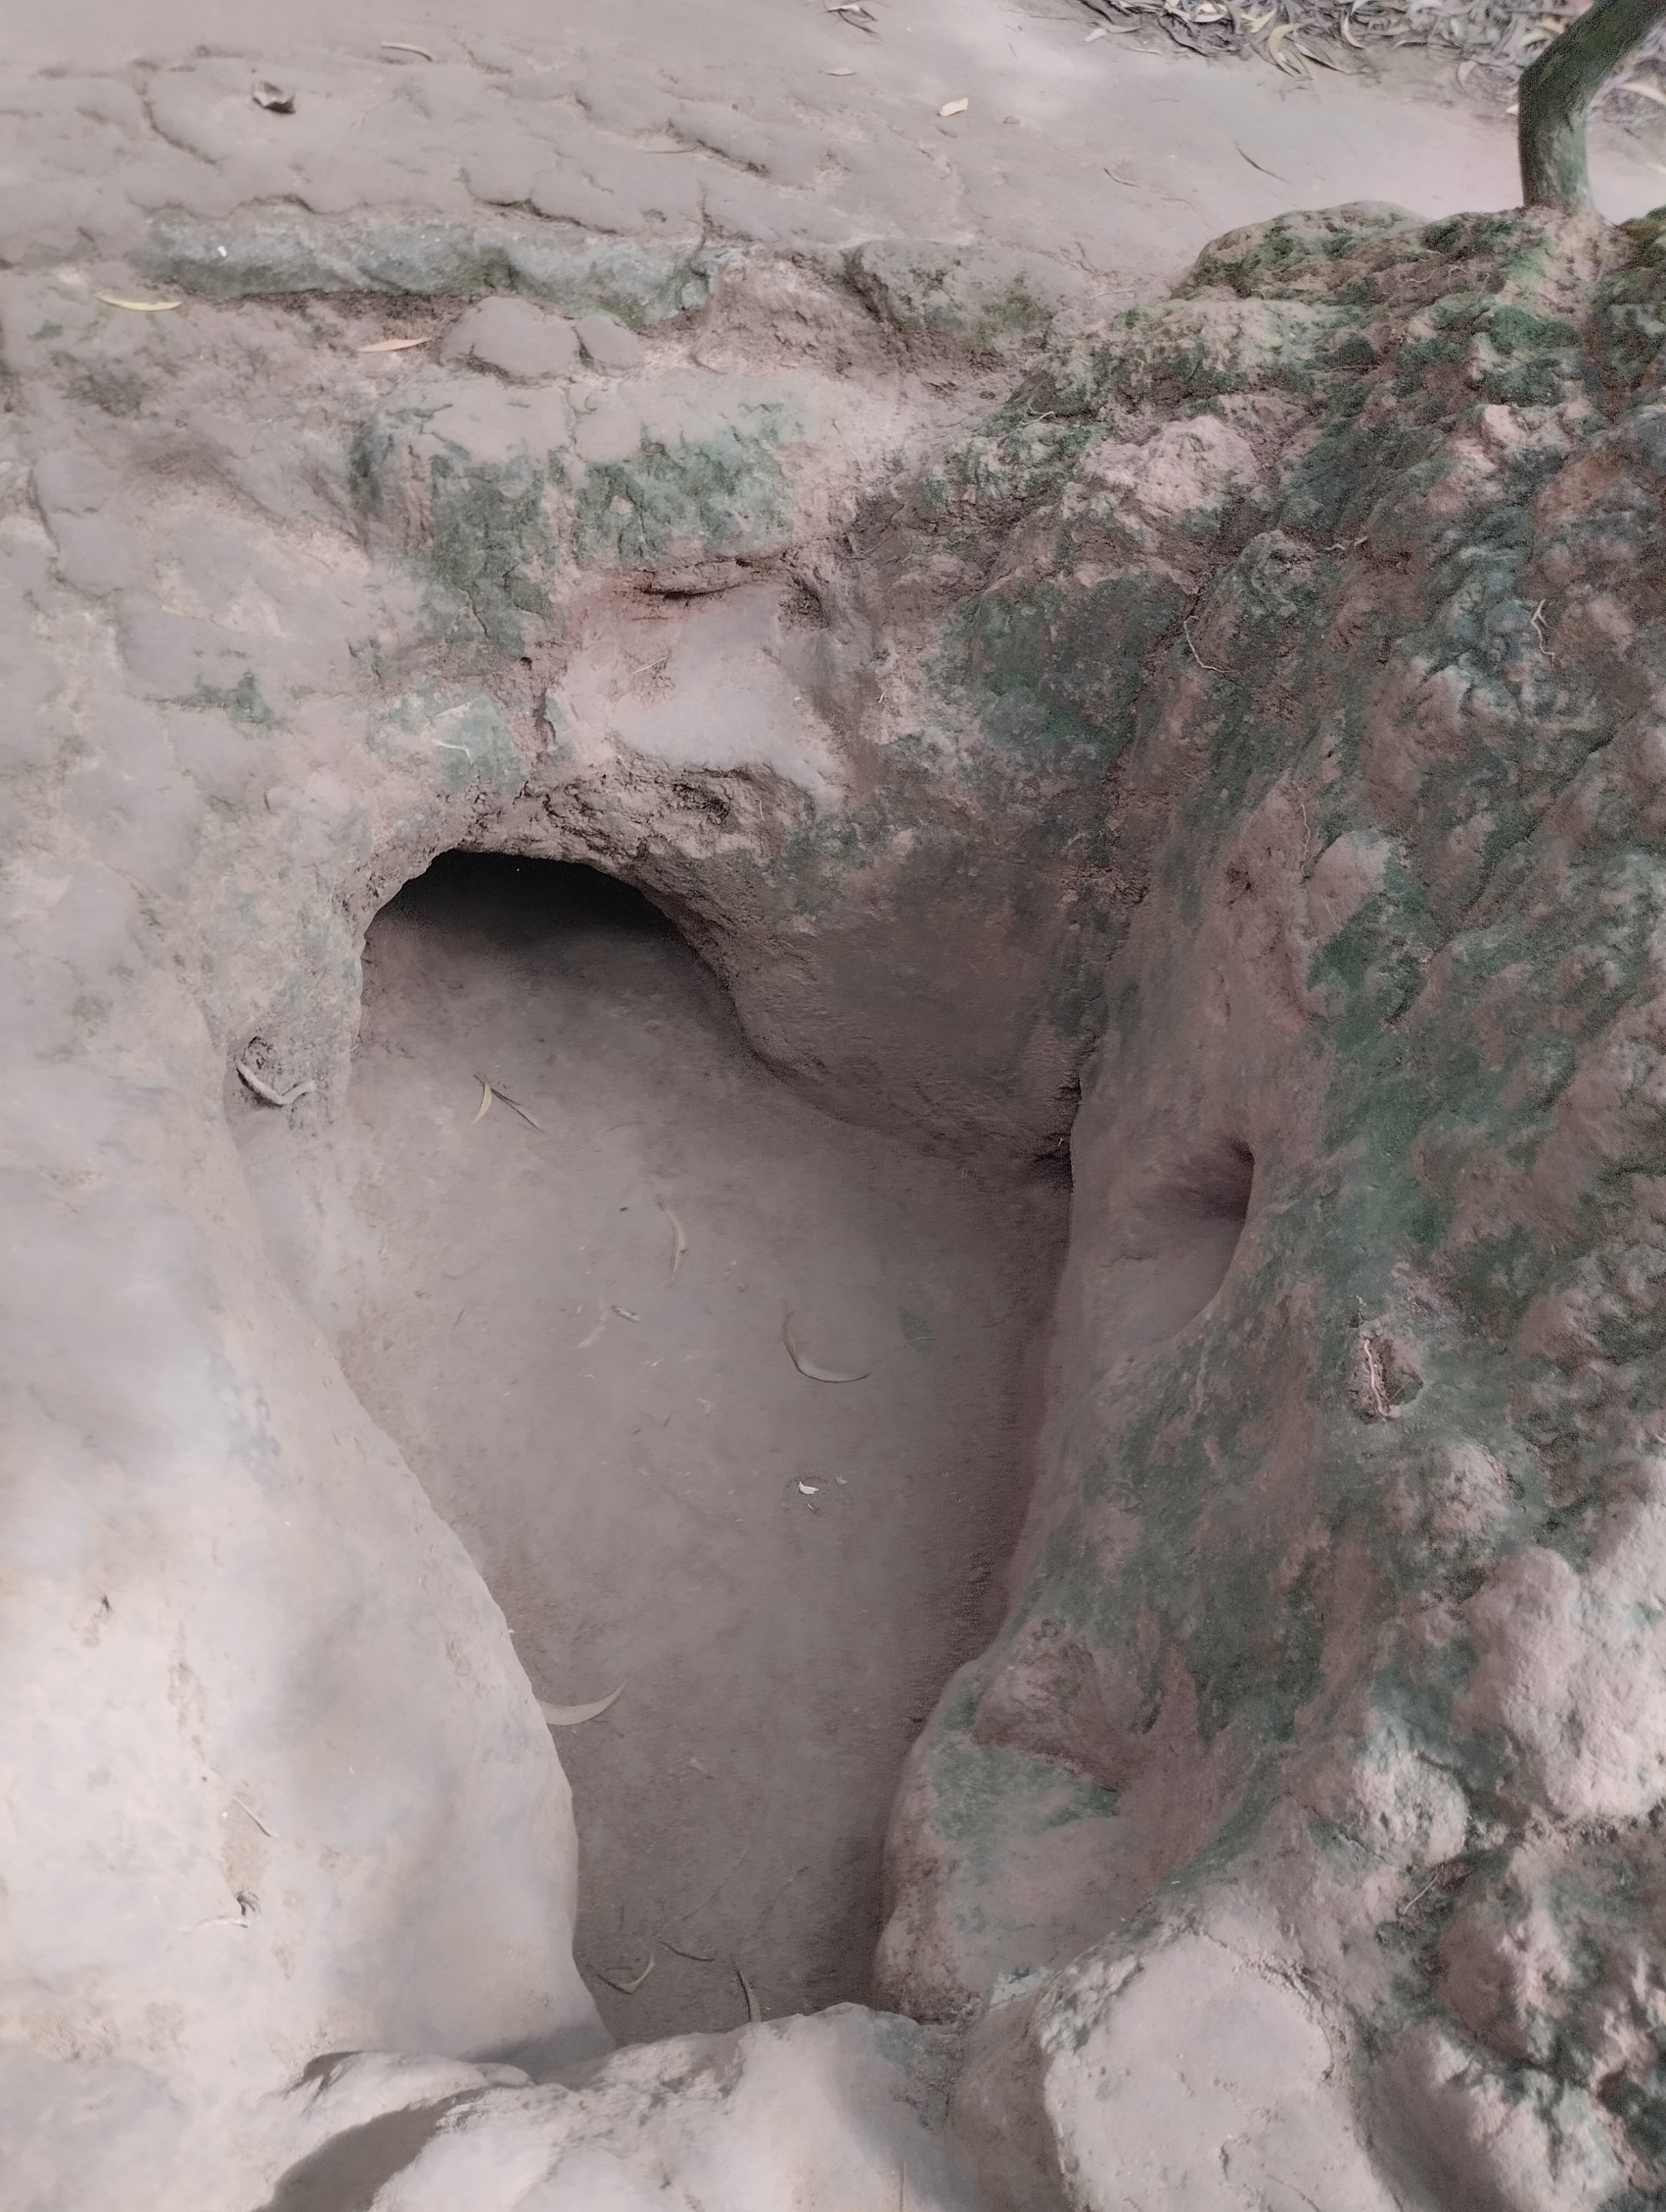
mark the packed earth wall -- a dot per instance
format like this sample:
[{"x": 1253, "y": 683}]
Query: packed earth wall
[{"x": 1218, "y": 744}]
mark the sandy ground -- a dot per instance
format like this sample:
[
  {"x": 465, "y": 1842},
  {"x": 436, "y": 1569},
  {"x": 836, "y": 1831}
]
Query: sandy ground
[
  {"x": 1123, "y": 155},
  {"x": 781, "y": 1571}
]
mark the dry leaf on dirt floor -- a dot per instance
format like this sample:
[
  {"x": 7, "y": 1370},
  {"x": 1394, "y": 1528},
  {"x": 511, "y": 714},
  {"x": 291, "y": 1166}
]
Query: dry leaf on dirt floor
[
  {"x": 570, "y": 1715},
  {"x": 1275, "y": 44},
  {"x": 485, "y": 1105},
  {"x": 138, "y": 306},
  {"x": 394, "y": 345},
  {"x": 626, "y": 1988},
  {"x": 264, "y": 1090},
  {"x": 680, "y": 1242},
  {"x": 754, "y": 2010},
  {"x": 514, "y": 1105},
  {"x": 954, "y": 107},
  {"x": 625, "y": 1314},
  {"x": 275, "y": 98},
  {"x": 808, "y": 1367},
  {"x": 399, "y": 46}
]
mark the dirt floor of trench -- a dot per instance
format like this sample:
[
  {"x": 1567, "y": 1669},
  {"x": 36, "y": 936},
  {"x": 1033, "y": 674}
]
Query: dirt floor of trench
[{"x": 781, "y": 1571}]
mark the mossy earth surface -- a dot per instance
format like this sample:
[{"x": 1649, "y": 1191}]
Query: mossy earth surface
[
  {"x": 1339, "y": 1615},
  {"x": 1297, "y": 639}
]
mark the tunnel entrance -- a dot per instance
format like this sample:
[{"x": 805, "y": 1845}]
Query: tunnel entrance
[{"x": 614, "y": 1262}]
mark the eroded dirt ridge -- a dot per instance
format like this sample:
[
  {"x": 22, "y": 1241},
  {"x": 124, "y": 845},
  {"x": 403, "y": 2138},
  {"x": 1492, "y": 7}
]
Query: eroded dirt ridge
[{"x": 1245, "y": 710}]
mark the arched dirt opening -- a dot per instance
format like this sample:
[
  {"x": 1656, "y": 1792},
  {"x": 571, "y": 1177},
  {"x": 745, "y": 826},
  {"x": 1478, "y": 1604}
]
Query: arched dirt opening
[{"x": 586, "y": 1213}]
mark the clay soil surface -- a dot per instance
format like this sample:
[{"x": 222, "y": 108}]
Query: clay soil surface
[
  {"x": 1105, "y": 145},
  {"x": 781, "y": 1571}
]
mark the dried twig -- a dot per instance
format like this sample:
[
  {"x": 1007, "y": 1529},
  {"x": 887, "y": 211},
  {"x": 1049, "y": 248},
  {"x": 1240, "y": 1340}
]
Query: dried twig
[
  {"x": 495, "y": 1091},
  {"x": 1209, "y": 665},
  {"x": 712, "y": 1895}
]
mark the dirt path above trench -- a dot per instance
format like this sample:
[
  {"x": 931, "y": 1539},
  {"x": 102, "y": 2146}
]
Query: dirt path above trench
[{"x": 1105, "y": 147}]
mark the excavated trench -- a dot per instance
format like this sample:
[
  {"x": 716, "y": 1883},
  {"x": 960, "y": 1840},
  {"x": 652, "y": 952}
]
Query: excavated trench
[
  {"x": 1185, "y": 724},
  {"x": 587, "y": 1220}
]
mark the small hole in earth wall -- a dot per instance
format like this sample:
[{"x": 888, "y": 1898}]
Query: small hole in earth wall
[{"x": 1177, "y": 1242}]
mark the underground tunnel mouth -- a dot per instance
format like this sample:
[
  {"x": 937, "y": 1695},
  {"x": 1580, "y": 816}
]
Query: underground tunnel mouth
[{"x": 727, "y": 1397}]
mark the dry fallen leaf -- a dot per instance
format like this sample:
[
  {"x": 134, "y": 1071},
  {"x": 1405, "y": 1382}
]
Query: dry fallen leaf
[
  {"x": 485, "y": 1105},
  {"x": 1293, "y": 63},
  {"x": 625, "y": 1314},
  {"x": 680, "y": 1242},
  {"x": 808, "y": 1366},
  {"x": 138, "y": 306},
  {"x": 626, "y": 1988},
  {"x": 754, "y": 2010},
  {"x": 954, "y": 107},
  {"x": 394, "y": 345},
  {"x": 808, "y": 1489},
  {"x": 514, "y": 1104},
  {"x": 398, "y": 46},
  {"x": 262, "y": 1089},
  {"x": 570, "y": 1715},
  {"x": 275, "y": 98}
]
